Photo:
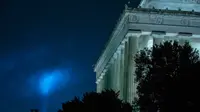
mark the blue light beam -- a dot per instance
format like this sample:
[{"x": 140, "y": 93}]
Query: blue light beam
[{"x": 50, "y": 81}]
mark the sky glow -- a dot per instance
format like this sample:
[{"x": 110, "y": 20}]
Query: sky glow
[
  {"x": 53, "y": 80},
  {"x": 47, "y": 82}
]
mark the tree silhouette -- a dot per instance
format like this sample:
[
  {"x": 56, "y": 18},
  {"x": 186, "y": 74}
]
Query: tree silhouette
[
  {"x": 34, "y": 110},
  {"x": 167, "y": 78},
  {"x": 106, "y": 101}
]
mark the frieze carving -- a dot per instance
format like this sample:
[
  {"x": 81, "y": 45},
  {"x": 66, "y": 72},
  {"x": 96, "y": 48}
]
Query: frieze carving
[
  {"x": 152, "y": 17},
  {"x": 168, "y": 18},
  {"x": 168, "y": 12},
  {"x": 185, "y": 22},
  {"x": 134, "y": 18},
  {"x": 159, "y": 20},
  {"x": 156, "y": 19}
]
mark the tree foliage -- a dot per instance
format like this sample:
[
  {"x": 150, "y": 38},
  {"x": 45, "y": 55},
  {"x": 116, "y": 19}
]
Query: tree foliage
[
  {"x": 34, "y": 110},
  {"x": 167, "y": 78},
  {"x": 106, "y": 101}
]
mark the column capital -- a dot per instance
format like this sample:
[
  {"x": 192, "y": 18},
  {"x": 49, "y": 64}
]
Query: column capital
[
  {"x": 104, "y": 71},
  {"x": 187, "y": 36},
  {"x": 122, "y": 46},
  {"x": 158, "y": 35},
  {"x": 125, "y": 39},
  {"x": 171, "y": 34},
  {"x": 195, "y": 36},
  {"x": 115, "y": 55},
  {"x": 132, "y": 34},
  {"x": 146, "y": 33},
  {"x": 102, "y": 74},
  {"x": 118, "y": 50},
  {"x": 98, "y": 80},
  {"x": 111, "y": 60},
  {"x": 101, "y": 77},
  {"x": 106, "y": 68},
  {"x": 158, "y": 39}
]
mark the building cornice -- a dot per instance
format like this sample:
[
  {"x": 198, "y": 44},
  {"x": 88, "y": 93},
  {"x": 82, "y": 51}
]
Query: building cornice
[
  {"x": 118, "y": 27},
  {"x": 147, "y": 21},
  {"x": 166, "y": 12}
]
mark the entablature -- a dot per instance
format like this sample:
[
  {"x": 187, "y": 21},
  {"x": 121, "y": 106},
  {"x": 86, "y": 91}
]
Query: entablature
[
  {"x": 148, "y": 22},
  {"x": 163, "y": 17}
]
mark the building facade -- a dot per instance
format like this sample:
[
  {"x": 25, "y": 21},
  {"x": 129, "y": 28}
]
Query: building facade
[{"x": 153, "y": 22}]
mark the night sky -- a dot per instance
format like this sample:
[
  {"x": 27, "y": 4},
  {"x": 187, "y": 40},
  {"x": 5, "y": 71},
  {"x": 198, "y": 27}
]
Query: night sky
[{"x": 48, "y": 49}]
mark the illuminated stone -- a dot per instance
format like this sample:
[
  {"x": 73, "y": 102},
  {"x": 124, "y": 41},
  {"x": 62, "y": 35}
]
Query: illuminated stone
[
  {"x": 153, "y": 22},
  {"x": 184, "y": 5}
]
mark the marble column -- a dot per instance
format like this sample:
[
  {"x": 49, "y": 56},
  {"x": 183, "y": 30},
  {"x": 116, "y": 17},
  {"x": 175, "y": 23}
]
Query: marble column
[
  {"x": 106, "y": 81},
  {"x": 133, "y": 48},
  {"x": 183, "y": 39},
  {"x": 158, "y": 39},
  {"x": 108, "y": 77},
  {"x": 173, "y": 37},
  {"x": 143, "y": 41},
  {"x": 118, "y": 70},
  {"x": 122, "y": 72},
  {"x": 98, "y": 88},
  {"x": 115, "y": 73},
  {"x": 102, "y": 82},
  {"x": 126, "y": 69}
]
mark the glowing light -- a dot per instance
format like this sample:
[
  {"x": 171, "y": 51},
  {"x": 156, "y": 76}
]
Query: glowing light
[
  {"x": 47, "y": 81},
  {"x": 51, "y": 81}
]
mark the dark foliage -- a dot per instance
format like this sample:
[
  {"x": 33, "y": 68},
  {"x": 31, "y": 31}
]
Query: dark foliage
[
  {"x": 167, "y": 78},
  {"x": 106, "y": 101},
  {"x": 34, "y": 110}
]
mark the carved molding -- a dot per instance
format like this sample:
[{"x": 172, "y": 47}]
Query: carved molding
[
  {"x": 155, "y": 18},
  {"x": 185, "y": 22},
  {"x": 152, "y": 17},
  {"x": 166, "y": 12},
  {"x": 133, "y": 18},
  {"x": 165, "y": 19},
  {"x": 159, "y": 20},
  {"x": 120, "y": 29}
]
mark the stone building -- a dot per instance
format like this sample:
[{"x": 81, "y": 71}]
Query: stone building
[{"x": 153, "y": 22}]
